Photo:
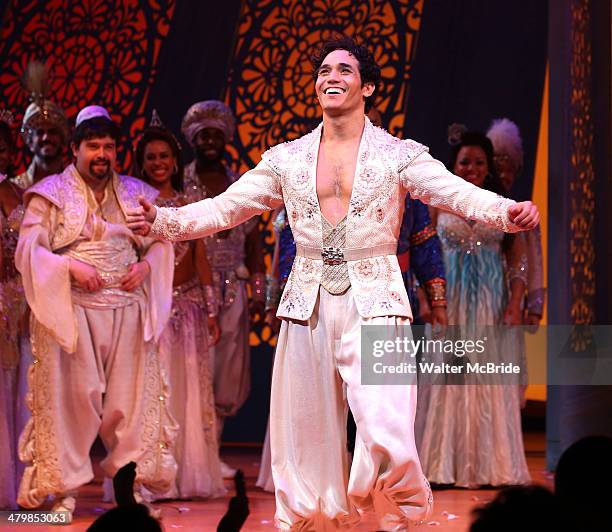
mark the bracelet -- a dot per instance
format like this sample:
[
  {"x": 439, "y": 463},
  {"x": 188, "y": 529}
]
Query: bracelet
[
  {"x": 212, "y": 303},
  {"x": 436, "y": 292},
  {"x": 423, "y": 235},
  {"x": 519, "y": 271},
  {"x": 258, "y": 287}
]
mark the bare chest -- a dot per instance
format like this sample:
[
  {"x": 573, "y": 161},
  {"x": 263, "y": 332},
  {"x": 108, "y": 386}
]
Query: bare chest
[{"x": 335, "y": 177}]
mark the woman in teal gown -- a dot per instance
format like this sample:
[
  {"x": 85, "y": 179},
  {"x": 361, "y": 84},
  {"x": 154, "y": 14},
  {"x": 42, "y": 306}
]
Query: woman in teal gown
[{"x": 472, "y": 433}]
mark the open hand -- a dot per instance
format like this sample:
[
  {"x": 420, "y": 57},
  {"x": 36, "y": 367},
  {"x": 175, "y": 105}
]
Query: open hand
[
  {"x": 533, "y": 322},
  {"x": 140, "y": 219},
  {"x": 525, "y": 215},
  {"x": 85, "y": 275},
  {"x": 136, "y": 275}
]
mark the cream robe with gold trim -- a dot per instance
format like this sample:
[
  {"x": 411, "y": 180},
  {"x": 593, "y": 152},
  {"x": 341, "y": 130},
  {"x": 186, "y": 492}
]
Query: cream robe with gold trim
[{"x": 96, "y": 366}]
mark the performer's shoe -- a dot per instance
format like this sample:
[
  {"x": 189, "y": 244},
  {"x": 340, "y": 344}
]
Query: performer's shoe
[
  {"x": 65, "y": 503},
  {"x": 227, "y": 471}
]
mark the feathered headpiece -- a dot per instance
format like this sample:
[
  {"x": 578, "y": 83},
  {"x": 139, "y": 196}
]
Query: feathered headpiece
[
  {"x": 506, "y": 139},
  {"x": 36, "y": 81}
]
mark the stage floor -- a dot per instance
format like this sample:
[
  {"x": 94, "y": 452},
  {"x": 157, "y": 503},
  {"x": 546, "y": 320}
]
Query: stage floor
[{"x": 451, "y": 507}]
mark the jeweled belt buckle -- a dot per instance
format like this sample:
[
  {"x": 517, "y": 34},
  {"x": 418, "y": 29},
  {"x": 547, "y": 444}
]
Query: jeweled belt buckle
[{"x": 332, "y": 256}]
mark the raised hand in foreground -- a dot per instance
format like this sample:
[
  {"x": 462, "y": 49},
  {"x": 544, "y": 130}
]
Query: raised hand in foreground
[{"x": 140, "y": 219}]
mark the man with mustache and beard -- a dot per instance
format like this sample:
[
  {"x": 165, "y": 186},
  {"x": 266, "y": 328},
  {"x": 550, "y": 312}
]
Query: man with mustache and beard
[
  {"x": 235, "y": 257},
  {"x": 100, "y": 297}
]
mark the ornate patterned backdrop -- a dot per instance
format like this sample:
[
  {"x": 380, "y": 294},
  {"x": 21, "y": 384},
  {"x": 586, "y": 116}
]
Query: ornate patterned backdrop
[
  {"x": 106, "y": 52},
  {"x": 582, "y": 244},
  {"x": 270, "y": 85},
  {"x": 97, "y": 51}
]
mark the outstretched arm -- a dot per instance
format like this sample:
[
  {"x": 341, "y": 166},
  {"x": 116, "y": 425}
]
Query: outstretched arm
[
  {"x": 428, "y": 180},
  {"x": 256, "y": 191}
]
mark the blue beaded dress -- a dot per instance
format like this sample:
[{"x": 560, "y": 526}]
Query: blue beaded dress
[{"x": 472, "y": 434}]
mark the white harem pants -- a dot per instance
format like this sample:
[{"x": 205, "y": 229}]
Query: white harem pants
[{"x": 317, "y": 366}]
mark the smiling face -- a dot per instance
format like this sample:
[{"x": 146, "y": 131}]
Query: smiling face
[
  {"x": 472, "y": 165},
  {"x": 95, "y": 157},
  {"x": 209, "y": 144},
  {"x": 46, "y": 142},
  {"x": 159, "y": 163},
  {"x": 338, "y": 86},
  {"x": 507, "y": 169}
]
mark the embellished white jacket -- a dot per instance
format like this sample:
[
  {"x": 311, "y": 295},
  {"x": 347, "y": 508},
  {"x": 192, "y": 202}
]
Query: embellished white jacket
[{"x": 387, "y": 169}]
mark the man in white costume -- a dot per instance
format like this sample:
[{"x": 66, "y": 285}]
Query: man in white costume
[
  {"x": 100, "y": 297},
  {"x": 343, "y": 186}
]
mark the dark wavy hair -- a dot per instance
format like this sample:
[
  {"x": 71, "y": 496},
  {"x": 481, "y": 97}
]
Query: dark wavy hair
[
  {"x": 151, "y": 134},
  {"x": 95, "y": 128},
  {"x": 368, "y": 67},
  {"x": 492, "y": 181}
]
